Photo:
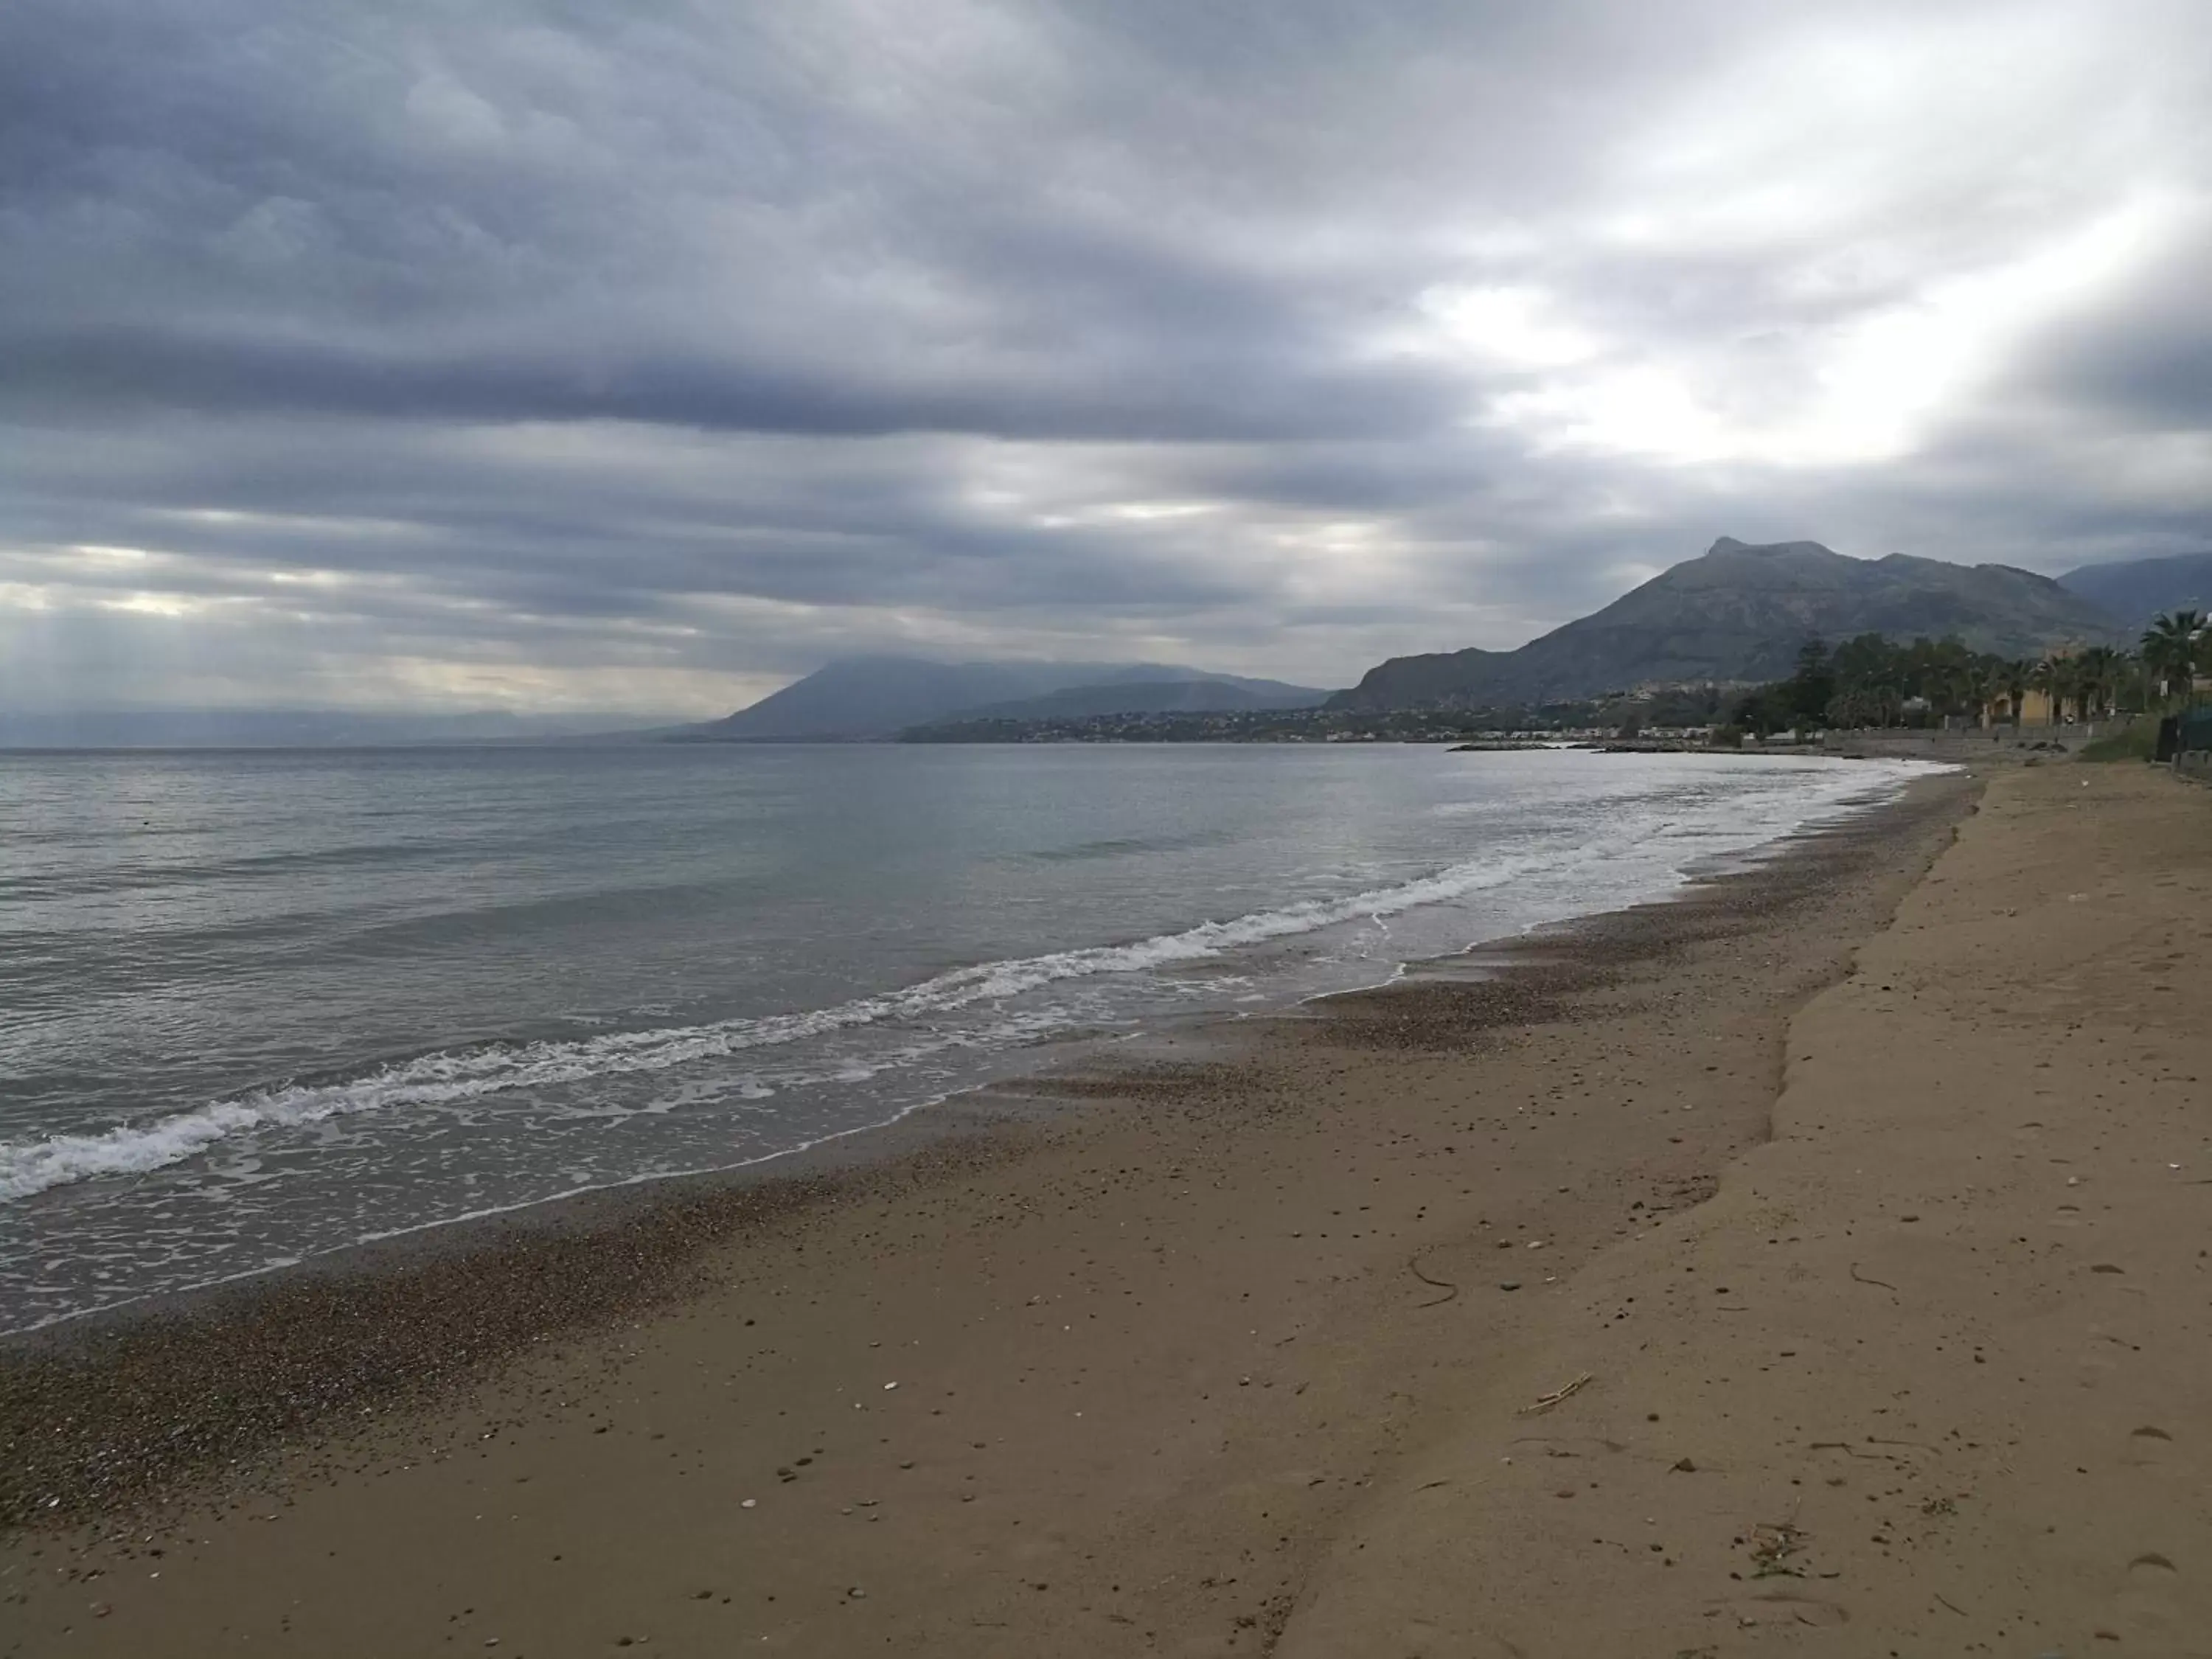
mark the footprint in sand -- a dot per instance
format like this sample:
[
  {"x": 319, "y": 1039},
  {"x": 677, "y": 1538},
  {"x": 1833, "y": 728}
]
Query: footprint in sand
[
  {"x": 2149, "y": 1448},
  {"x": 2148, "y": 1608},
  {"x": 2099, "y": 1361}
]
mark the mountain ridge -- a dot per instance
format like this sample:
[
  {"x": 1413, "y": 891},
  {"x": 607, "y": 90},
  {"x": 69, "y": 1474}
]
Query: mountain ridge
[
  {"x": 1739, "y": 613},
  {"x": 2137, "y": 590},
  {"x": 1193, "y": 697},
  {"x": 858, "y": 699}
]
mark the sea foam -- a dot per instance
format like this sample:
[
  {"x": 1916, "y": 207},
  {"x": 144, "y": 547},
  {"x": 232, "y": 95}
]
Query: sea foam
[
  {"x": 443, "y": 1079},
  {"x": 448, "y": 1077}
]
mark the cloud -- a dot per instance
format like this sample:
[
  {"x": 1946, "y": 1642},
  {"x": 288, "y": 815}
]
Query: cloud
[{"x": 551, "y": 355}]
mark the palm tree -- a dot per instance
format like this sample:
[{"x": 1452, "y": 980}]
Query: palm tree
[
  {"x": 1965, "y": 687},
  {"x": 2138, "y": 690},
  {"x": 2012, "y": 680},
  {"x": 2194, "y": 659},
  {"x": 2052, "y": 678},
  {"x": 2075, "y": 685},
  {"x": 2170, "y": 646},
  {"x": 2097, "y": 674},
  {"x": 1981, "y": 687}
]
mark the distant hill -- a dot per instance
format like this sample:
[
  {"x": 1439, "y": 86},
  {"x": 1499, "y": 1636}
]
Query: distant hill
[
  {"x": 866, "y": 697},
  {"x": 1739, "y": 613},
  {"x": 2137, "y": 590},
  {"x": 1223, "y": 695}
]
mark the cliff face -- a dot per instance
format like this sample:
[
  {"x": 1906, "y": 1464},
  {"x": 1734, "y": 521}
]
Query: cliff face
[{"x": 1741, "y": 613}]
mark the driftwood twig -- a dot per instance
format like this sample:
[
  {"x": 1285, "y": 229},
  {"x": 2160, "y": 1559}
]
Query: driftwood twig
[{"x": 1544, "y": 1403}]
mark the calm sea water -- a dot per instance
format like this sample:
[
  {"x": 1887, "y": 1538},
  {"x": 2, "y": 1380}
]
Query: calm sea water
[{"x": 258, "y": 1006}]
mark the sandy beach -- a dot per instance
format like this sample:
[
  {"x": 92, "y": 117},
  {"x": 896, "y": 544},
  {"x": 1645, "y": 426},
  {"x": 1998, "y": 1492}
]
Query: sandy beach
[{"x": 1809, "y": 1265}]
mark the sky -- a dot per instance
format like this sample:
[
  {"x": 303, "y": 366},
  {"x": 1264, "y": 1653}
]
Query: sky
[{"x": 575, "y": 356}]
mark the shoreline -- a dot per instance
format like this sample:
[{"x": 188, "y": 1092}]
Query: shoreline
[
  {"x": 266, "y": 1388},
  {"x": 1927, "y": 1373},
  {"x": 915, "y": 1128}
]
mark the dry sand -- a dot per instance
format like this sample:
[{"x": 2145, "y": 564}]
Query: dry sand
[
  {"x": 1932, "y": 1374},
  {"x": 1223, "y": 1360}
]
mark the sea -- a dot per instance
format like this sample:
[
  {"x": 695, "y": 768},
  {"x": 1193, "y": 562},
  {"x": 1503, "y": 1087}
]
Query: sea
[{"x": 259, "y": 1006}]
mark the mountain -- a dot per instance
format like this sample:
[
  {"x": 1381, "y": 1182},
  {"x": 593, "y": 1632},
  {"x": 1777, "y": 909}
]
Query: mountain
[
  {"x": 2137, "y": 590},
  {"x": 1223, "y": 695},
  {"x": 1741, "y": 613},
  {"x": 864, "y": 697}
]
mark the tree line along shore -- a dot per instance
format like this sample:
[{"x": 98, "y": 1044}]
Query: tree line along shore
[{"x": 1868, "y": 681}]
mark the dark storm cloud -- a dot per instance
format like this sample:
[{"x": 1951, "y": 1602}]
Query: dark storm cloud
[
  {"x": 1240, "y": 396},
  {"x": 2144, "y": 361},
  {"x": 647, "y": 354}
]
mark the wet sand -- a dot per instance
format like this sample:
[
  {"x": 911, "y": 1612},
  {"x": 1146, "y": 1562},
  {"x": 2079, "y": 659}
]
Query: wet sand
[{"x": 1221, "y": 1355}]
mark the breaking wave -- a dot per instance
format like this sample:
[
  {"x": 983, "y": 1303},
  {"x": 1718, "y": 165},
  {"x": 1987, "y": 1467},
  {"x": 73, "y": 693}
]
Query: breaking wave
[{"x": 27, "y": 1168}]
